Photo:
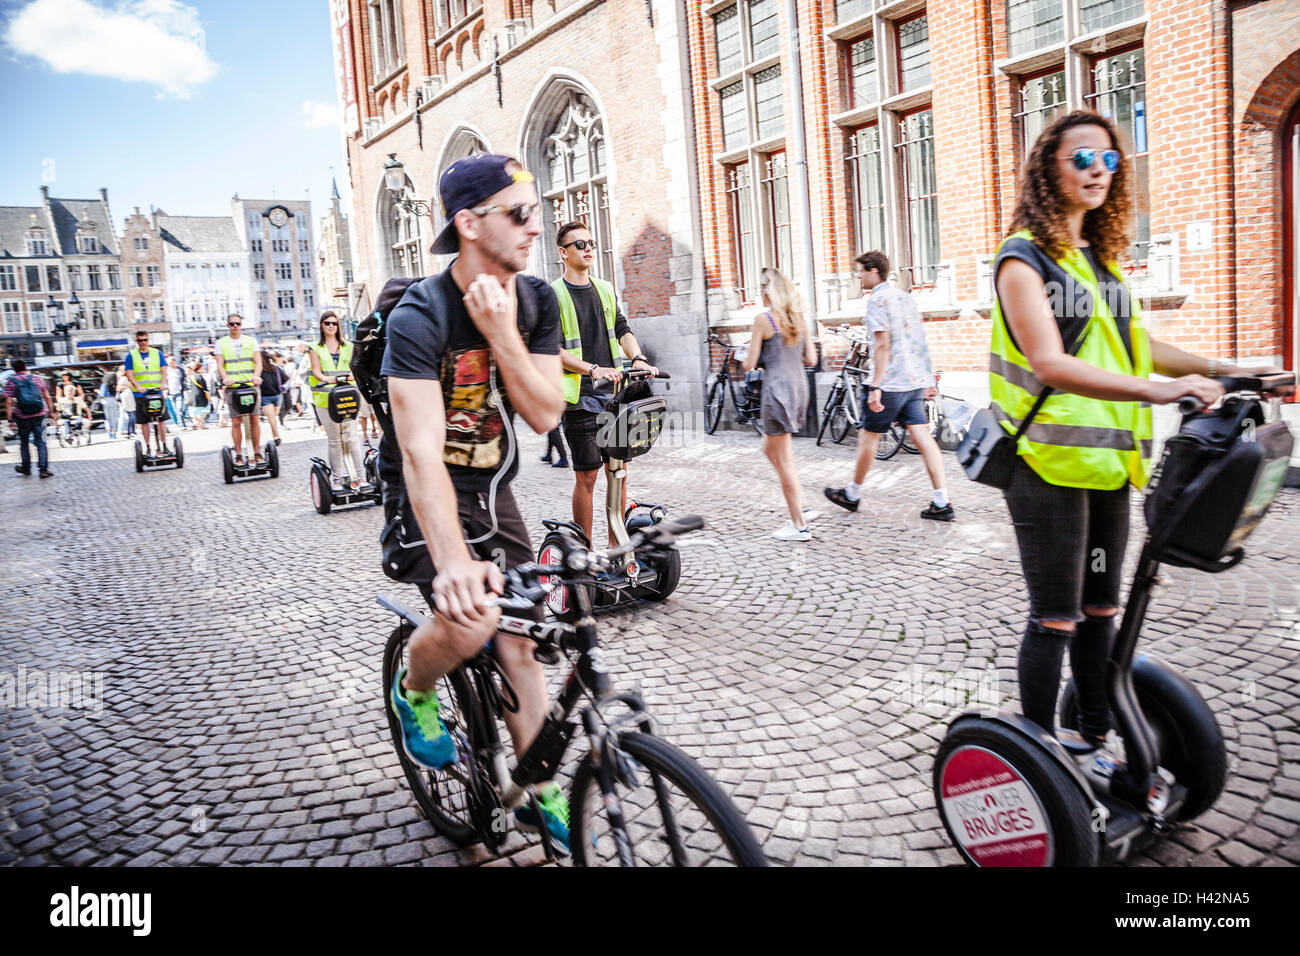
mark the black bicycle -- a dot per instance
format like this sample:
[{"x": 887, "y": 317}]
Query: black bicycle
[
  {"x": 635, "y": 799},
  {"x": 841, "y": 412},
  {"x": 745, "y": 390}
]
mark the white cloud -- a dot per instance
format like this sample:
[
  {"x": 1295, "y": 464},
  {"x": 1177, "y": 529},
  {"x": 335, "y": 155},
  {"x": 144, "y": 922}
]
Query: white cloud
[
  {"x": 159, "y": 42},
  {"x": 315, "y": 115}
]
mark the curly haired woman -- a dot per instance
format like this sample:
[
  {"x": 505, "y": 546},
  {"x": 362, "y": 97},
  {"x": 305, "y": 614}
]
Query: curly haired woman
[{"x": 1059, "y": 286}]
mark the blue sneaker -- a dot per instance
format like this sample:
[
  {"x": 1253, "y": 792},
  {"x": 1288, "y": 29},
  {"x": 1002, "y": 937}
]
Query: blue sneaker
[
  {"x": 424, "y": 735},
  {"x": 555, "y": 811}
]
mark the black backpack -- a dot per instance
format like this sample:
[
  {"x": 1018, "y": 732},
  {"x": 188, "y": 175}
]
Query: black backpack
[{"x": 372, "y": 338}]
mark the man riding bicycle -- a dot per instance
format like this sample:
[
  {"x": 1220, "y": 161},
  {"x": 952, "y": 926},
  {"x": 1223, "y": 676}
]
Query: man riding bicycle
[
  {"x": 457, "y": 364},
  {"x": 239, "y": 363},
  {"x": 144, "y": 370},
  {"x": 595, "y": 331}
]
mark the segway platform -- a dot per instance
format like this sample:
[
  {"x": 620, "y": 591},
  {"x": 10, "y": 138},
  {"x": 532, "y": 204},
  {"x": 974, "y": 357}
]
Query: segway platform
[
  {"x": 144, "y": 459},
  {"x": 250, "y": 469},
  {"x": 324, "y": 496}
]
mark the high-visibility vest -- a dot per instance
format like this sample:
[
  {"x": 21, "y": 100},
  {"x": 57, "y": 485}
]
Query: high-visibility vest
[
  {"x": 320, "y": 388},
  {"x": 238, "y": 357},
  {"x": 147, "y": 369},
  {"x": 1076, "y": 441},
  {"x": 573, "y": 337}
]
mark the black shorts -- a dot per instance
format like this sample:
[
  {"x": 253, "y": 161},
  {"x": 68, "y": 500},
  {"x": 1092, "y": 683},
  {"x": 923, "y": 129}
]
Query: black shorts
[
  {"x": 506, "y": 546},
  {"x": 906, "y": 408},
  {"x": 580, "y": 429}
]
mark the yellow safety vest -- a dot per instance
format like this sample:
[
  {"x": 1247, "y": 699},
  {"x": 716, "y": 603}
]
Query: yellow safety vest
[
  {"x": 147, "y": 369},
  {"x": 572, "y": 336},
  {"x": 238, "y": 357},
  {"x": 1076, "y": 441},
  {"x": 320, "y": 389}
]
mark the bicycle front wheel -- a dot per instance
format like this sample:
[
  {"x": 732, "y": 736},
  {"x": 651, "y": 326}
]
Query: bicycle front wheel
[
  {"x": 673, "y": 813},
  {"x": 840, "y": 424},
  {"x": 713, "y": 407},
  {"x": 441, "y": 794}
]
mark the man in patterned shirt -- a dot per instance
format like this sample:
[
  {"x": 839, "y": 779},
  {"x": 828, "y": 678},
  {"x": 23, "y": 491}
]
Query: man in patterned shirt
[{"x": 902, "y": 379}]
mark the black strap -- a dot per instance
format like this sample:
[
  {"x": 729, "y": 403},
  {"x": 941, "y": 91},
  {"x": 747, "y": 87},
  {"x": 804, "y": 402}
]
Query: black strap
[{"x": 1047, "y": 389}]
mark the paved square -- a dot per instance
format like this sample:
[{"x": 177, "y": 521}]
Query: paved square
[{"x": 232, "y": 709}]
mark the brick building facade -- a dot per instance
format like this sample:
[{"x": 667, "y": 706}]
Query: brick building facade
[
  {"x": 144, "y": 278},
  {"x": 590, "y": 95},
  {"x": 917, "y": 116},
  {"x": 738, "y": 134}
]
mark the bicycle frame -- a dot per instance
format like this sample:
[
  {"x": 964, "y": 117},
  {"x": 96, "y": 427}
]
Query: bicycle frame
[{"x": 734, "y": 381}]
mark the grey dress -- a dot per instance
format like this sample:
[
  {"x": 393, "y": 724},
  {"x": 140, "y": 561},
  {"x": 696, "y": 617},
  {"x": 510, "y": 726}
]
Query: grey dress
[{"x": 785, "y": 384}]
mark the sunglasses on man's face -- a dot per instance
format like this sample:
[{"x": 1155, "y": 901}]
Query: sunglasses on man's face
[
  {"x": 519, "y": 213},
  {"x": 1083, "y": 158},
  {"x": 233, "y": 325},
  {"x": 582, "y": 245}
]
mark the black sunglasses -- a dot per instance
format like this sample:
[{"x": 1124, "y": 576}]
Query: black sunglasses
[
  {"x": 582, "y": 245},
  {"x": 519, "y": 213},
  {"x": 329, "y": 325},
  {"x": 233, "y": 325}
]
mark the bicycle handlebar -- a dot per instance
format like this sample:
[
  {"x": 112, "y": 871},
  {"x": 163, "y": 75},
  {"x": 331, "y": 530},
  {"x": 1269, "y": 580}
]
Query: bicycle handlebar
[{"x": 1273, "y": 382}]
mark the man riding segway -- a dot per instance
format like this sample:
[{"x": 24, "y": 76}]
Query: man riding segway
[
  {"x": 239, "y": 367},
  {"x": 144, "y": 366}
]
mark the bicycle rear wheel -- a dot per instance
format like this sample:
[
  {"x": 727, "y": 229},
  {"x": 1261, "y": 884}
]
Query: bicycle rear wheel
[
  {"x": 442, "y": 795},
  {"x": 889, "y": 444},
  {"x": 674, "y": 814}
]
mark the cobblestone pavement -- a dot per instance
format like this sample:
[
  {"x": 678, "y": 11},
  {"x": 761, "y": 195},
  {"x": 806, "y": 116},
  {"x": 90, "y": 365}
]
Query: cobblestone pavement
[{"x": 238, "y": 644}]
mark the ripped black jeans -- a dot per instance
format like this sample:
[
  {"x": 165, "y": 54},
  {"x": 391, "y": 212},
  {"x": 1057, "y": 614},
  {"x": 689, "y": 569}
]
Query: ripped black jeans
[{"x": 1072, "y": 544}]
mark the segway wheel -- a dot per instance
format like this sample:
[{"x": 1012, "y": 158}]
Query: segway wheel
[
  {"x": 668, "y": 570},
  {"x": 227, "y": 465},
  {"x": 559, "y": 601},
  {"x": 320, "y": 489},
  {"x": 139, "y": 456},
  {"x": 272, "y": 459},
  {"x": 1188, "y": 740},
  {"x": 180, "y": 453},
  {"x": 1006, "y": 802}
]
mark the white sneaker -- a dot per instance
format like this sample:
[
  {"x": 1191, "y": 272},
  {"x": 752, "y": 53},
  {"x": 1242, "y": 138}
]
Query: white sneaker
[
  {"x": 788, "y": 532},
  {"x": 810, "y": 514}
]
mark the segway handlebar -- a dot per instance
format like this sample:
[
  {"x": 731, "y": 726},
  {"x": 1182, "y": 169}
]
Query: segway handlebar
[{"x": 1270, "y": 383}]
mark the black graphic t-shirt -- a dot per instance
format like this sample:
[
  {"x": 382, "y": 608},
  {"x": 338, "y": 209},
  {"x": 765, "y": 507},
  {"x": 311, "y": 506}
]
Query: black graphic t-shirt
[{"x": 431, "y": 336}]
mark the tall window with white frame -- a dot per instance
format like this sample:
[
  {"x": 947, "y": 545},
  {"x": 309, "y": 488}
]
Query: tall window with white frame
[
  {"x": 387, "y": 52},
  {"x": 921, "y": 192},
  {"x": 13, "y": 318},
  {"x": 1044, "y": 35},
  {"x": 1119, "y": 92},
  {"x": 38, "y": 318},
  {"x": 866, "y": 183},
  {"x": 575, "y": 181},
  {"x": 750, "y": 98}
]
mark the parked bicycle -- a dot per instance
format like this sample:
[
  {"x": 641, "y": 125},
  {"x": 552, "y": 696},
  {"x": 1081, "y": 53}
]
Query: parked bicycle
[
  {"x": 635, "y": 798},
  {"x": 745, "y": 390},
  {"x": 948, "y": 416},
  {"x": 842, "y": 412}
]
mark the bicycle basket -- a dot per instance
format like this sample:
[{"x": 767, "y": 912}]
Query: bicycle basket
[
  {"x": 629, "y": 430},
  {"x": 344, "y": 403},
  {"x": 243, "y": 400},
  {"x": 1248, "y": 459},
  {"x": 152, "y": 408}
]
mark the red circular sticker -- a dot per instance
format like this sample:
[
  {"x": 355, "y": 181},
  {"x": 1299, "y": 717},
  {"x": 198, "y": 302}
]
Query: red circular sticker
[{"x": 994, "y": 814}]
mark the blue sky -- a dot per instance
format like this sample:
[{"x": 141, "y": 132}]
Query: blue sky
[{"x": 171, "y": 104}]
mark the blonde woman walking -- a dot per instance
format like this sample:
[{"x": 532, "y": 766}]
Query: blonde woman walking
[{"x": 780, "y": 340}]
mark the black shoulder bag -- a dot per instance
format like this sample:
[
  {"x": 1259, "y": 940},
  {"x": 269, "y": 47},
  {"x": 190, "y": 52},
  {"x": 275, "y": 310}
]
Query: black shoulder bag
[{"x": 988, "y": 454}]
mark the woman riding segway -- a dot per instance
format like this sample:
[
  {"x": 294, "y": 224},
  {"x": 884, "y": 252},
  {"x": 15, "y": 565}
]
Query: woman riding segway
[
  {"x": 1068, "y": 430},
  {"x": 337, "y": 404}
]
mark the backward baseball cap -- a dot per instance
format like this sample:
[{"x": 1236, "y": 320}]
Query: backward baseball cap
[{"x": 465, "y": 184}]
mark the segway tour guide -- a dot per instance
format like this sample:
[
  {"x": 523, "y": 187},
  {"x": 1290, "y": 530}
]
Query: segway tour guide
[
  {"x": 144, "y": 371},
  {"x": 341, "y": 400},
  {"x": 240, "y": 365},
  {"x": 1009, "y": 792},
  {"x": 628, "y": 428}
]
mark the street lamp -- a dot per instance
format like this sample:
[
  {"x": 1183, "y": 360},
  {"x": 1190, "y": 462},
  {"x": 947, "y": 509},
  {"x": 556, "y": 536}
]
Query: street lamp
[
  {"x": 395, "y": 183},
  {"x": 64, "y": 328}
]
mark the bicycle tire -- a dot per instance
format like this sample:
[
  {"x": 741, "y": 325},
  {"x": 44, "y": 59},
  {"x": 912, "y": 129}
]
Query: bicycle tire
[
  {"x": 731, "y": 842},
  {"x": 442, "y": 797},
  {"x": 840, "y": 424},
  {"x": 889, "y": 444},
  {"x": 906, "y": 443},
  {"x": 832, "y": 402},
  {"x": 713, "y": 407}
]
